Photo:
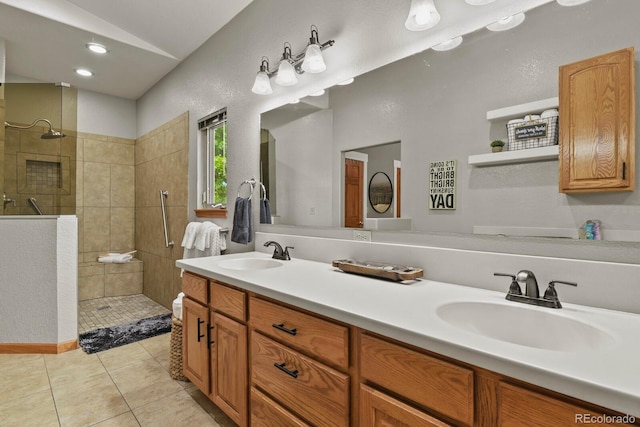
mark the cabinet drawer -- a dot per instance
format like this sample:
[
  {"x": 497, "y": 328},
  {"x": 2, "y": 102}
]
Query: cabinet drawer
[
  {"x": 516, "y": 404},
  {"x": 322, "y": 339},
  {"x": 195, "y": 287},
  {"x": 313, "y": 391},
  {"x": 378, "y": 409},
  {"x": 438, "y": 385},
  {"x": 267, "y": 413},
  {"x": 229, "y": 301}
]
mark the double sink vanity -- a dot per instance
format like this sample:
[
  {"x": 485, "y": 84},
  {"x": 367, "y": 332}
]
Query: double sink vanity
[{"x": 298, "y": 342}]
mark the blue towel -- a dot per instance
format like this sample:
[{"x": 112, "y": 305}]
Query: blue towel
[
  {"x": 242, "y": 231},
  {"x": 265, "y": 211}
]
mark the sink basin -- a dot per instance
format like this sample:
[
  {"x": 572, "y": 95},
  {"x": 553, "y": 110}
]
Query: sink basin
[
  {"x": 526, "y": 326},
  {"x": 250, "y": 264}
]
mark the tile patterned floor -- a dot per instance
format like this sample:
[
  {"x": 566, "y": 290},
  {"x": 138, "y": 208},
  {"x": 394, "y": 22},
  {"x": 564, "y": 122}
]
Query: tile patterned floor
[
  {"x": 124, "y": 386},
  {"x": 112, "y": 311}
]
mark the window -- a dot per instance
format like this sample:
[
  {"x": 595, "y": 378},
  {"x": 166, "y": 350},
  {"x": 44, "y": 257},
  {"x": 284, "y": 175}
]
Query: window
[{"x": 212, "y": 155}]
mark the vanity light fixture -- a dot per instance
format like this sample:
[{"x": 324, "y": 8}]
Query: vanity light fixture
[
  {"x": 97, "y": 48},
  {"x": 262, "y": 85},
  {"x": 507, "y": 23},
  {"x": 84, "y": 72},
  {"x": 448, "y": 44},
  {"x": 479, "y": 2},
  {"x": 571, "y": 2},
  {"x": 310, "y": 61},
  {"x": 422, "y": 15},
  {"x": 286, "y": 73}
]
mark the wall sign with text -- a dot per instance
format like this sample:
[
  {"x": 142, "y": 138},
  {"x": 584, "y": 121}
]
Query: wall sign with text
[{"x": 442, "y": 184}]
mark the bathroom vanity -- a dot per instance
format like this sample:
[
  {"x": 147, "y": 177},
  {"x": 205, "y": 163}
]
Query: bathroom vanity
[{"x": 296, "y": 343}]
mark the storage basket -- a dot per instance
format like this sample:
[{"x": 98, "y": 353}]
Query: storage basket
[
  {"x": 175, "y": 357},
  {"x": 533, "y": 134}
]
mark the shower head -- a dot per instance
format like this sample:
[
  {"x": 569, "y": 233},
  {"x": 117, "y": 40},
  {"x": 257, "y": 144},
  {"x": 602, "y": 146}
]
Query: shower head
[{"x": 50, "y": 134}]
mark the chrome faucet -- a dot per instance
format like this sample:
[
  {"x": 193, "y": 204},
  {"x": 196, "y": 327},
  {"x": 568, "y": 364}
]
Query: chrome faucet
[
  {"x": 278, "y": 252},
  {"x": 6, "y": 201},
  {"x": 532, "y": 293},
  {"x": 528, "y": 279}
]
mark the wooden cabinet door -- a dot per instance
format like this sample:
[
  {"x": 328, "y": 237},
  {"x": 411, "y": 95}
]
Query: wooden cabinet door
[
  {"x": 229, "y": 367},
  {"x": 195, "y": 352},
  {"x": 597, "y": 124},
  {"x": 379, "y": 410}
]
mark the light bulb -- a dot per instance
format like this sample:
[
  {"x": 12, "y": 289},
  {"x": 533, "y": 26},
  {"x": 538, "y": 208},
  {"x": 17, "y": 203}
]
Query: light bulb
[
  {"x": 422, "y": 15},
  {"x": 313, "y": 60},
  {"x": 286, "y": 74},
  {"x": 262, "y": 85}
]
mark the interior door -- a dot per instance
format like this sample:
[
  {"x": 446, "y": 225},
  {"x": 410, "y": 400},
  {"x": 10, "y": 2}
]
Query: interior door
[{"x": 353, "y": 172}]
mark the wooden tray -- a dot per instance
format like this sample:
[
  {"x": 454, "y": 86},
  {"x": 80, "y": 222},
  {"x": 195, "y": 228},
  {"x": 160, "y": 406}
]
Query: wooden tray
[{"x": 378, "y": 269}]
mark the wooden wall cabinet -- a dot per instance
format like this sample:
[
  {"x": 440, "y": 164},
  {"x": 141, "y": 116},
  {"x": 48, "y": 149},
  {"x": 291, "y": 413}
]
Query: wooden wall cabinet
[{"x": 597, "y": 124}]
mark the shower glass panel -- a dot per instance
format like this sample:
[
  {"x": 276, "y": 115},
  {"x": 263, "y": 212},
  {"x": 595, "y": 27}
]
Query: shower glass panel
[{"x": 38, "y": 165}]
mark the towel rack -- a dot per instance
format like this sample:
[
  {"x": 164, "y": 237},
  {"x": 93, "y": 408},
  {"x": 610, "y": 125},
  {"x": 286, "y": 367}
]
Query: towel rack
[
  {"x": 264, "y": 191},
  {"x": 167, "y": 243},
  {"x": 251, "y": 183}
]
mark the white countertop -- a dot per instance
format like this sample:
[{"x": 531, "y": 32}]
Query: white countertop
[{"x": 608, "y": 376}]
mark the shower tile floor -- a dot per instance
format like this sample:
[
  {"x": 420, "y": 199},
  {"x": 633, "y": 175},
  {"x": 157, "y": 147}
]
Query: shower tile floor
[{"x": 112, "y": 311}]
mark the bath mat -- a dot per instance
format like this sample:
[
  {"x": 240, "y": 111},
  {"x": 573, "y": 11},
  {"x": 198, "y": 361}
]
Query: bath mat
[{"x": 116, "y": 336}]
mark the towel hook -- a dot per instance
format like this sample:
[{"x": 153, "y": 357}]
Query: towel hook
[{"x": 251, "y": 182}]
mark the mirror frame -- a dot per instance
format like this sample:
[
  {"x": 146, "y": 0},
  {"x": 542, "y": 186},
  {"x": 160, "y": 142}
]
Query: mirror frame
[{"x": 390, "y": 192}]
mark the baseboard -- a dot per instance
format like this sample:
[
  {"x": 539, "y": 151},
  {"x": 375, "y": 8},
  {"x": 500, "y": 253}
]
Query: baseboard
[{"x": 38, "y": 348}]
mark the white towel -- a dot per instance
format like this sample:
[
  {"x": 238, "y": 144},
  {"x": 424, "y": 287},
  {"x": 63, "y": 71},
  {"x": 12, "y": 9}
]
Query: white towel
[
  {"x": 208, "y": 239},
  {"x": 114, "y": 258},
  {"x": 190, "y": 233}
]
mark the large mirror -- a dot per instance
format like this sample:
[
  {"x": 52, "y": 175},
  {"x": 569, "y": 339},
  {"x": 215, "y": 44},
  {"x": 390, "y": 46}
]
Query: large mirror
[{"x": 434, "y": 106}]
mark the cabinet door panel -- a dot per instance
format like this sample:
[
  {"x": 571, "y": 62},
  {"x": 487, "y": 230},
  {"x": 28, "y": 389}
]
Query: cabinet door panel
[
  {"x": 229, "y": 367},
  {"x": 195, "y": 352},
  {"x": 597, "y": 124}
]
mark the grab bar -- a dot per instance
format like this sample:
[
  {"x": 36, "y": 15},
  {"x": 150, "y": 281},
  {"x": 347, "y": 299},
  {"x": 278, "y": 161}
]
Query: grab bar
[
  {"x": 34, "y": 205},
  {"x": 167, "y": 242}
]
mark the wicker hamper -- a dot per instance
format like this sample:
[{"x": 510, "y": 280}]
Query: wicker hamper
[{"x": 175, "y": 358}]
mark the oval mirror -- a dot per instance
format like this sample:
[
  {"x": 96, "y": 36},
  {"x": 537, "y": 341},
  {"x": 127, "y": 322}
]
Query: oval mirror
[{"x": 380, "y": 192}]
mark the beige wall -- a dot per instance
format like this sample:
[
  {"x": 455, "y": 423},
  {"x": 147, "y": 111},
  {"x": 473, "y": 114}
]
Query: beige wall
[
  {"x": 2, "y": 113},
  {"x": 161, "y": 164}
]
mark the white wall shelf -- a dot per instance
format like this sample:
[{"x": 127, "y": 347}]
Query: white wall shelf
[
  {"x": 516, "y": 156},
  {"x": 519, "y": 111}
]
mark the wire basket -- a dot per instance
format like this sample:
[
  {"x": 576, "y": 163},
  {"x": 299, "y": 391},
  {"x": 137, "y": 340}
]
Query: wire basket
[{"x": 533, "y": 134}]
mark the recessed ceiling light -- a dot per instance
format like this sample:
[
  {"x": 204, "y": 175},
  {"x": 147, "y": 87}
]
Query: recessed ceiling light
[
  {"x": 318, "y": 93},
  {"x": 448, "y": 44},
  {"x": 346, "y": 82},
  {"x": 84, "y": 72},
  {"x": 507, "y": 23},
  {"x": 97, "y": 48}
]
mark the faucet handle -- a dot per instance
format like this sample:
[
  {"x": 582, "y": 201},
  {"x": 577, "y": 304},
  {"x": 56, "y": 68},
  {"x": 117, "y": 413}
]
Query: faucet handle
[
  {"x": 514, "y": 287},
  {"x": 551, "y": 293},
  {"x": 286, "y": 251}
]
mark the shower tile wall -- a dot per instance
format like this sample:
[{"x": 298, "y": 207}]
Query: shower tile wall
[
  {"x": 162, "y": 164},
  {"x": 23, "y": 149},
  {"x": 106, "y": 215}
]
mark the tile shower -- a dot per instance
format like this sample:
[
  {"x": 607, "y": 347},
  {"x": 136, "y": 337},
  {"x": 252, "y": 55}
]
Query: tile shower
[{"x": 112, "y": 184}]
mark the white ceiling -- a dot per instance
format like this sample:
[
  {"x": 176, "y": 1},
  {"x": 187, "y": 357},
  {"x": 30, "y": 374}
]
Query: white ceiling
[{"x": 45, "y": 40}]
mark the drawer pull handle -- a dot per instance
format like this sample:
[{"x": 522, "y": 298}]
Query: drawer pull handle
[
  {"x": 283, "y": 329},
  {"x": 200, "y": 322},
  {"x": 281, "y": 366}
]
